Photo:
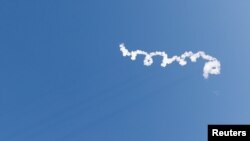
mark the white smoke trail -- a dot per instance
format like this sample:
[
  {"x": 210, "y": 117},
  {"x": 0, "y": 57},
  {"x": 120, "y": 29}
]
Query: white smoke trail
[{"x": 212, "y": 66}]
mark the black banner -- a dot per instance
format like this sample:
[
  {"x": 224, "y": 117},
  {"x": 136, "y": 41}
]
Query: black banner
[{"x": 228, "y": 132}]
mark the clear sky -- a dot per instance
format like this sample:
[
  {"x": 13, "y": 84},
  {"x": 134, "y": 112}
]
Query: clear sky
[{"x": 63, "y": 78}]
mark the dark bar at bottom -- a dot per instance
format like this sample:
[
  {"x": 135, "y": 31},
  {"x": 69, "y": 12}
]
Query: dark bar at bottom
[{"x": 228, "y": 132}]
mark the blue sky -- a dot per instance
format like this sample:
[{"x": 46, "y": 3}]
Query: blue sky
[{"x": 62, "y": 76}]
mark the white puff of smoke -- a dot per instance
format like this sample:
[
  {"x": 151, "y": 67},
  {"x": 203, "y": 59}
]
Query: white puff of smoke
[{"x": 212, "y": 66}]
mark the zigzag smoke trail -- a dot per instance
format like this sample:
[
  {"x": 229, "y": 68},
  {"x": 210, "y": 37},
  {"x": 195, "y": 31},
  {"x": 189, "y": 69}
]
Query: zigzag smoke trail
[{"x": 212, "y": 66}]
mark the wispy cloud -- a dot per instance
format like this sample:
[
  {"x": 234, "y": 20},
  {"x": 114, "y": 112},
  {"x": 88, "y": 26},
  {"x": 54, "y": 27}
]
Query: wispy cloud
[{"x": 212, "y": 65}]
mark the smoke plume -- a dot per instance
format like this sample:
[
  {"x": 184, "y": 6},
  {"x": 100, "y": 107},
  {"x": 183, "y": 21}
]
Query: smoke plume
[{"x": 211, "y": 67}]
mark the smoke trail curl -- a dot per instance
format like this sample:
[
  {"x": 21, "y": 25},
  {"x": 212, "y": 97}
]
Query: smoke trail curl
[{"x": 212, "y": 66}]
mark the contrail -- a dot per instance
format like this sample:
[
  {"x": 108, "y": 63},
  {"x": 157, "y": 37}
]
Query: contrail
[{"x": 212, "y": 66}]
